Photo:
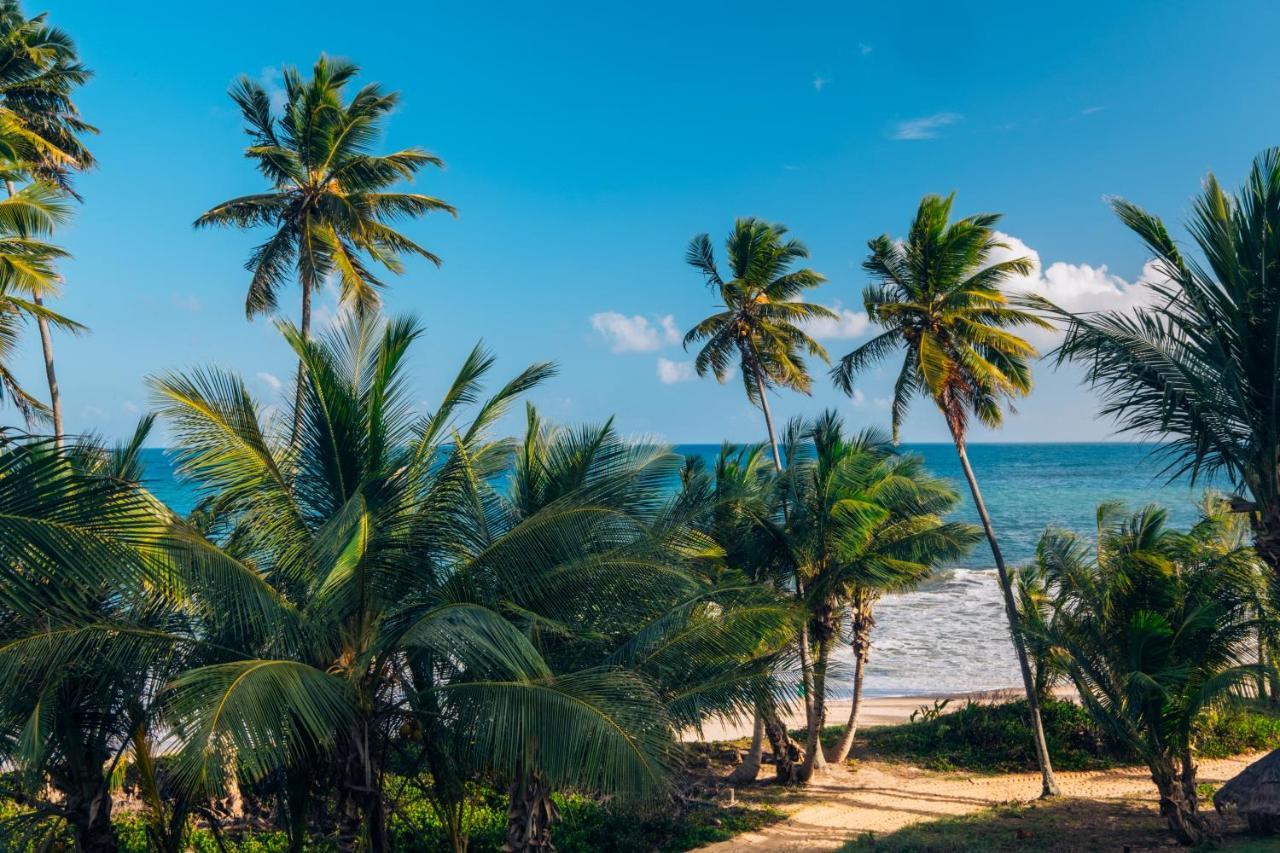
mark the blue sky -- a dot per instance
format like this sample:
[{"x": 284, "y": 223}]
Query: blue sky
[{"x": 586, "y": 143}]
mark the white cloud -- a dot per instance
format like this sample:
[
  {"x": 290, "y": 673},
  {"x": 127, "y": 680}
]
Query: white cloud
[
  {"x": 1075, "y": 287},
  {"x": 270, "y": 380},
  {"x": 130, "y": 407},
  {"x": 858, "y": 398},
  {"x": 820, "y": 82},
  {"x": 273, "y": 84},
  {"x": 635, "y": 333},
  {"x": 186, "y": 302},
  {"x": 925, "y": 127},
  {"x": 1088, "y": 111},
  {"x": 864, "y": 49},
  {"x": 670, "y": 372},
  {"x": 670, "y": 331},
  {"x": 846, "y": 324}
]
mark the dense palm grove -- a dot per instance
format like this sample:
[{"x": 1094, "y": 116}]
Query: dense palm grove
[{"x": 373, "y": 601}]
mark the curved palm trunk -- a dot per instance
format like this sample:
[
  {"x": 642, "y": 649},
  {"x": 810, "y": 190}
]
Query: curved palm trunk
[
  {"x": 1049, "y": 785},
  {"x": 305, "y": 327},
  {"x": 862, "y": 624},
  {"x": 775, "y": 728},
  {"x": 749, "y": 769}
]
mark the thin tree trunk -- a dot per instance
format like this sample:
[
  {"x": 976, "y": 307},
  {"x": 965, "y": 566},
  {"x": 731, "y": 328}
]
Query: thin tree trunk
[
  {"x": 55, "y": 396},
  {"x": 861, "y": 629},
  {"x": 814, "y": 759},
  {"x": 768, "y": 417},
  {"x": 803, "y": 640},
  {"x": 1049, "y": 785},
  {"x": 46, "y": 347},
  {"x": 749, "y": 769},
  {"x": 305, "y": 328}
]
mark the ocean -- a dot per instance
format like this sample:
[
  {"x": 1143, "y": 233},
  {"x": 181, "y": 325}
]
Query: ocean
[{"x": 950, "y": 635}]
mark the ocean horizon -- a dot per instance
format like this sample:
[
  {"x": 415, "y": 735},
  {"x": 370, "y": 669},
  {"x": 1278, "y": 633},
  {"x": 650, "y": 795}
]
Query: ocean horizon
[{"x": 950, "y": 634}]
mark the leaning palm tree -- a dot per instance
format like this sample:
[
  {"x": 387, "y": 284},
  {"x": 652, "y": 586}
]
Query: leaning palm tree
[
  {"x": 1153, "y": 628},
  {"x": 761, "y": 329},
  {"x": 39, "y": 72},
  {"x": 1196, "y": 370},
  {"x": 330, "y": 204},
  {"x": 938, "y": 296}
]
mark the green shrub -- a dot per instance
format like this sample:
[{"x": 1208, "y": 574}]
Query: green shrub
[{"x": 997, "y": 738}]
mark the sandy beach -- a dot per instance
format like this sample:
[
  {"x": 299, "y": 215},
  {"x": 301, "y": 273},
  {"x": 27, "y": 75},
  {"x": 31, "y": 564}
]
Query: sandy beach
[{"x": 875, "y": 711}]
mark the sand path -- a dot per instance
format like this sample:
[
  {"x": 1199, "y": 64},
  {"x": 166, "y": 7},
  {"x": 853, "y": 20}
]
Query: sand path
[{"x": 881, "y": 798}]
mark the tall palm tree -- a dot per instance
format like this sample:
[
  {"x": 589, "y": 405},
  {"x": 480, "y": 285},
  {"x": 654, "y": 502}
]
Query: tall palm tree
[
  {"x": 761, "y": 329},
  {"x": 1153, "y": 628},
  {"x": 938, "y": 296},
  {"x": 329, "y": 206},
  {"x": 40, "y": 130},
  {"x": 864, "y": 520},
  {"x": 1196, "y": 370}
]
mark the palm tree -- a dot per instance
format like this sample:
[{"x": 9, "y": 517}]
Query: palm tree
[
  {"x": 410, "y": 588},
  {"x": 1153, "y": 629},
  {"x": 761, "y": 327},
  {"x": 737, "y": 503},
  {"x": 938, "y": 296},
  {"x": 1196, "y": 369},
  {"x": 864, "y": 520},
  {"x": 26, "y": 275},
  {"x": 87, "y": 628},
  {"x": 39, "y": 72},
  {"x": 329, "y": 204}
]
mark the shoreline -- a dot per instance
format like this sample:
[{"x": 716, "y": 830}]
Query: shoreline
[{"x": 874, "y": 711}]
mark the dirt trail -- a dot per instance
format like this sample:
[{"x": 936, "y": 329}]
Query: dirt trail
[{"x": 881, "y": 798}]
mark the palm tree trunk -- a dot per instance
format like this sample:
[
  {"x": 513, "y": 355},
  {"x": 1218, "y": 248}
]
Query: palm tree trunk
[
  {"x": 861, "y": 628},
  {"x": 749, "y": 769},
  {"x": 1049, "y": 785},
  {"x": 46, "y": 347},
  {"x": 530, "y": 814},
  {"x": 806, "y": 669},
  {"x": 814, "y": 759},
  {"x": 305, "y": 327},
  {"x": 768, "y": 416},
  {"x": 785, "y": 753},
  {"x": 1266, "y": 534},
  {"x": 55, "y": 396},
  {"x": 1178, "y": 801}
]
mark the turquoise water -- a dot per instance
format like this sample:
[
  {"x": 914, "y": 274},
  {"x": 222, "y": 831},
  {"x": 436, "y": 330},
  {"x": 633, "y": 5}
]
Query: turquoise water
[{"x": 950, "y": 635}]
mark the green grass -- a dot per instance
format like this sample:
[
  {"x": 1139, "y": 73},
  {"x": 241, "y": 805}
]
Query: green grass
[
  {"x": 1057, "y": 826},
  {"x": 997, "y": 738}
]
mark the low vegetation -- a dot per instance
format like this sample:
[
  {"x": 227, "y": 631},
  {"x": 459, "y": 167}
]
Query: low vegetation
[
  {"x": 586, "y": 826},
  {"x": 1050, "y": 826},
  {"x": 997, "y": 739}
]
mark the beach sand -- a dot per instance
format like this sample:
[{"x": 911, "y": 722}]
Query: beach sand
[{"x": 875, "y": 711}]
